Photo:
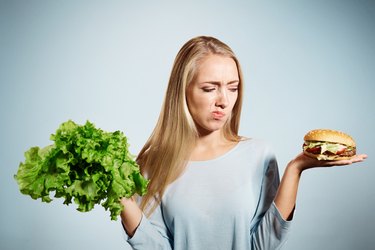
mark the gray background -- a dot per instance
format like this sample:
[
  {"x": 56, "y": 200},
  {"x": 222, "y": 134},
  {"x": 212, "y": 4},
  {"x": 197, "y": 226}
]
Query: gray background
[{"x": 307, "y": 64}]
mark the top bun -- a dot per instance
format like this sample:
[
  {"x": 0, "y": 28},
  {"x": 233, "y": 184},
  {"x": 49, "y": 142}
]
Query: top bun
[{"x": 329, "y": 135}]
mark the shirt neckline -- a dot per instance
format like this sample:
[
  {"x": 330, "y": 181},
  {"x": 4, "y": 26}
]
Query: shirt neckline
[{"x": 234, "y": 148}]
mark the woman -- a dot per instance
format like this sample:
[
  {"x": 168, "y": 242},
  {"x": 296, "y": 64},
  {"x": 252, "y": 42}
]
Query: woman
[{"x": 209, "y": 187}]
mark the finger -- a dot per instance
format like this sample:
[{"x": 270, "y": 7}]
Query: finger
[
  {"x": 363, "y": 156},
  {"x": 354, "y": 159},
  {"x": 358, "y": 158},
  {"x": 339, "y": 163}
]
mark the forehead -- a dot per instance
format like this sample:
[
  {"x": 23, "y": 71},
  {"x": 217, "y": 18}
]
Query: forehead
[{"x": 217, "y": 67}]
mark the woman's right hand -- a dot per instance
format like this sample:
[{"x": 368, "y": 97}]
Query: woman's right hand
[{"x": 131, "y": 215}]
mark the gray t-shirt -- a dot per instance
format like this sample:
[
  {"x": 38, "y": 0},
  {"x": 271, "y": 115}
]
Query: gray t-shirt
[{"x": 224, "y": 203}]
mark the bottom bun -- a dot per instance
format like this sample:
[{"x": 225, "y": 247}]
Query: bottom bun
[{"x": 327, "y": 157}]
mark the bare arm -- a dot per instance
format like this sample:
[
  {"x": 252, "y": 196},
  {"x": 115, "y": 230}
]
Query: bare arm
[
  {"x": 287, "y": 193},
  {"x": 130, "y": 216}
]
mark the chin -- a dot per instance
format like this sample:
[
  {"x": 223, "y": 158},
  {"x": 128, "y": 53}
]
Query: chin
[{"x": 210, "y": 128}]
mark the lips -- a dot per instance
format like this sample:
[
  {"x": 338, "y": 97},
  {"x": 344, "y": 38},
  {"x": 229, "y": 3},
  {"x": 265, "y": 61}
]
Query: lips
[{"x": 218, "y": 114}]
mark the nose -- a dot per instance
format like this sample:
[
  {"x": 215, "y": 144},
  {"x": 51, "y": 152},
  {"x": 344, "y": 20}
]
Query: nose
[{"x": 222, "y": 99}]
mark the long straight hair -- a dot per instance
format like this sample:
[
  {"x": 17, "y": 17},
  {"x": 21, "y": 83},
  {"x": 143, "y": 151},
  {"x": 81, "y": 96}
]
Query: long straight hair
[{"x": 165, "y": 154}]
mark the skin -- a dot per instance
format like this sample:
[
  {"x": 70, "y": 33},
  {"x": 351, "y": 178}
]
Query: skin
[
  {"x": 286, "y": 196},
  {"x": 211, "y": 97}
]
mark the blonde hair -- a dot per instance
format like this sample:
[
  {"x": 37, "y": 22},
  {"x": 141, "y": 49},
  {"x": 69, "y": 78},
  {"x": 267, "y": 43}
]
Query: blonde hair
[{"x": 164, "y": 156}]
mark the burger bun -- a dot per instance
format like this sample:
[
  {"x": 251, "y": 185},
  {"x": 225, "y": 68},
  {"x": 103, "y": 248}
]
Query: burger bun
[
  {"x": 327, "y": 157},
  {"x": 329, "y": 135}
]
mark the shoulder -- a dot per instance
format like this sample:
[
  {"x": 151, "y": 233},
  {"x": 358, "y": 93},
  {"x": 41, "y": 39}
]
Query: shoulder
[
  {"x": 257, "y": 144},
  {"x": 258, "y": 151}
]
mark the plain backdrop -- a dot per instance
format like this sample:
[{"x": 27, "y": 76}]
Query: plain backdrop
[{"x": 307, "y": 64}]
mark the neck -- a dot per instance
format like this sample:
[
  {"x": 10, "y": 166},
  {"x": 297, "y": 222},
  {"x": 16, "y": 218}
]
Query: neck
[
  {"x": 210, "y": 146},
  {"x": 210, "y": 138}
]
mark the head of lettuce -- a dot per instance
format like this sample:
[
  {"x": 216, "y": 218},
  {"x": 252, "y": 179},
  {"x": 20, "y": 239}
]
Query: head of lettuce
[{"x": 84, "y": 164}]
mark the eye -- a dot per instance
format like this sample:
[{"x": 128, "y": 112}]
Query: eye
[
  {"x": 209, "y": 89},
  {"x": 233, "y": 89}
]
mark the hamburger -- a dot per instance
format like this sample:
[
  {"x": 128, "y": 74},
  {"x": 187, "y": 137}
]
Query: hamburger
[{"x": 328, "y": 145}]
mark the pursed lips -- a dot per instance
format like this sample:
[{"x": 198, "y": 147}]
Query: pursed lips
[{"x": 218, "y": 114}]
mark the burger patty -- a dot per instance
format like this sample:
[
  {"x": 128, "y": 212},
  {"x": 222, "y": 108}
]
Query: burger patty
[
  {"x": 348, "y": 153},
  {"x": 345, "y": 153}
]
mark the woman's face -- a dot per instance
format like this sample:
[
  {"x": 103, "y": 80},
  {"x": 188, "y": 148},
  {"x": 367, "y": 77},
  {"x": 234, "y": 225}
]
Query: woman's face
[{"x": 213, "y": 93}]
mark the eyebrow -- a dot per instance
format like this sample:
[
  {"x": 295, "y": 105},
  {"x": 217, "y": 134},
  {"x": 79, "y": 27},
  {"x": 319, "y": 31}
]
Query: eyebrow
[{"x": 219, "y": 83}]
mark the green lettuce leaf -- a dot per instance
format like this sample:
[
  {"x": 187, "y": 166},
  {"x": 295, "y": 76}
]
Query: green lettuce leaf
[
  {"x": 325, "y": 146},
  {"x": 84, "y": 164}
]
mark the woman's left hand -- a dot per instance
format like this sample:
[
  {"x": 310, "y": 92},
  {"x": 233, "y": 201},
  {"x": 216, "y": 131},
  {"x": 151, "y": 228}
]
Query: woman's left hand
[
  {"x": 303, "y": 162},
  {"x": 286, "y": 196}
]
